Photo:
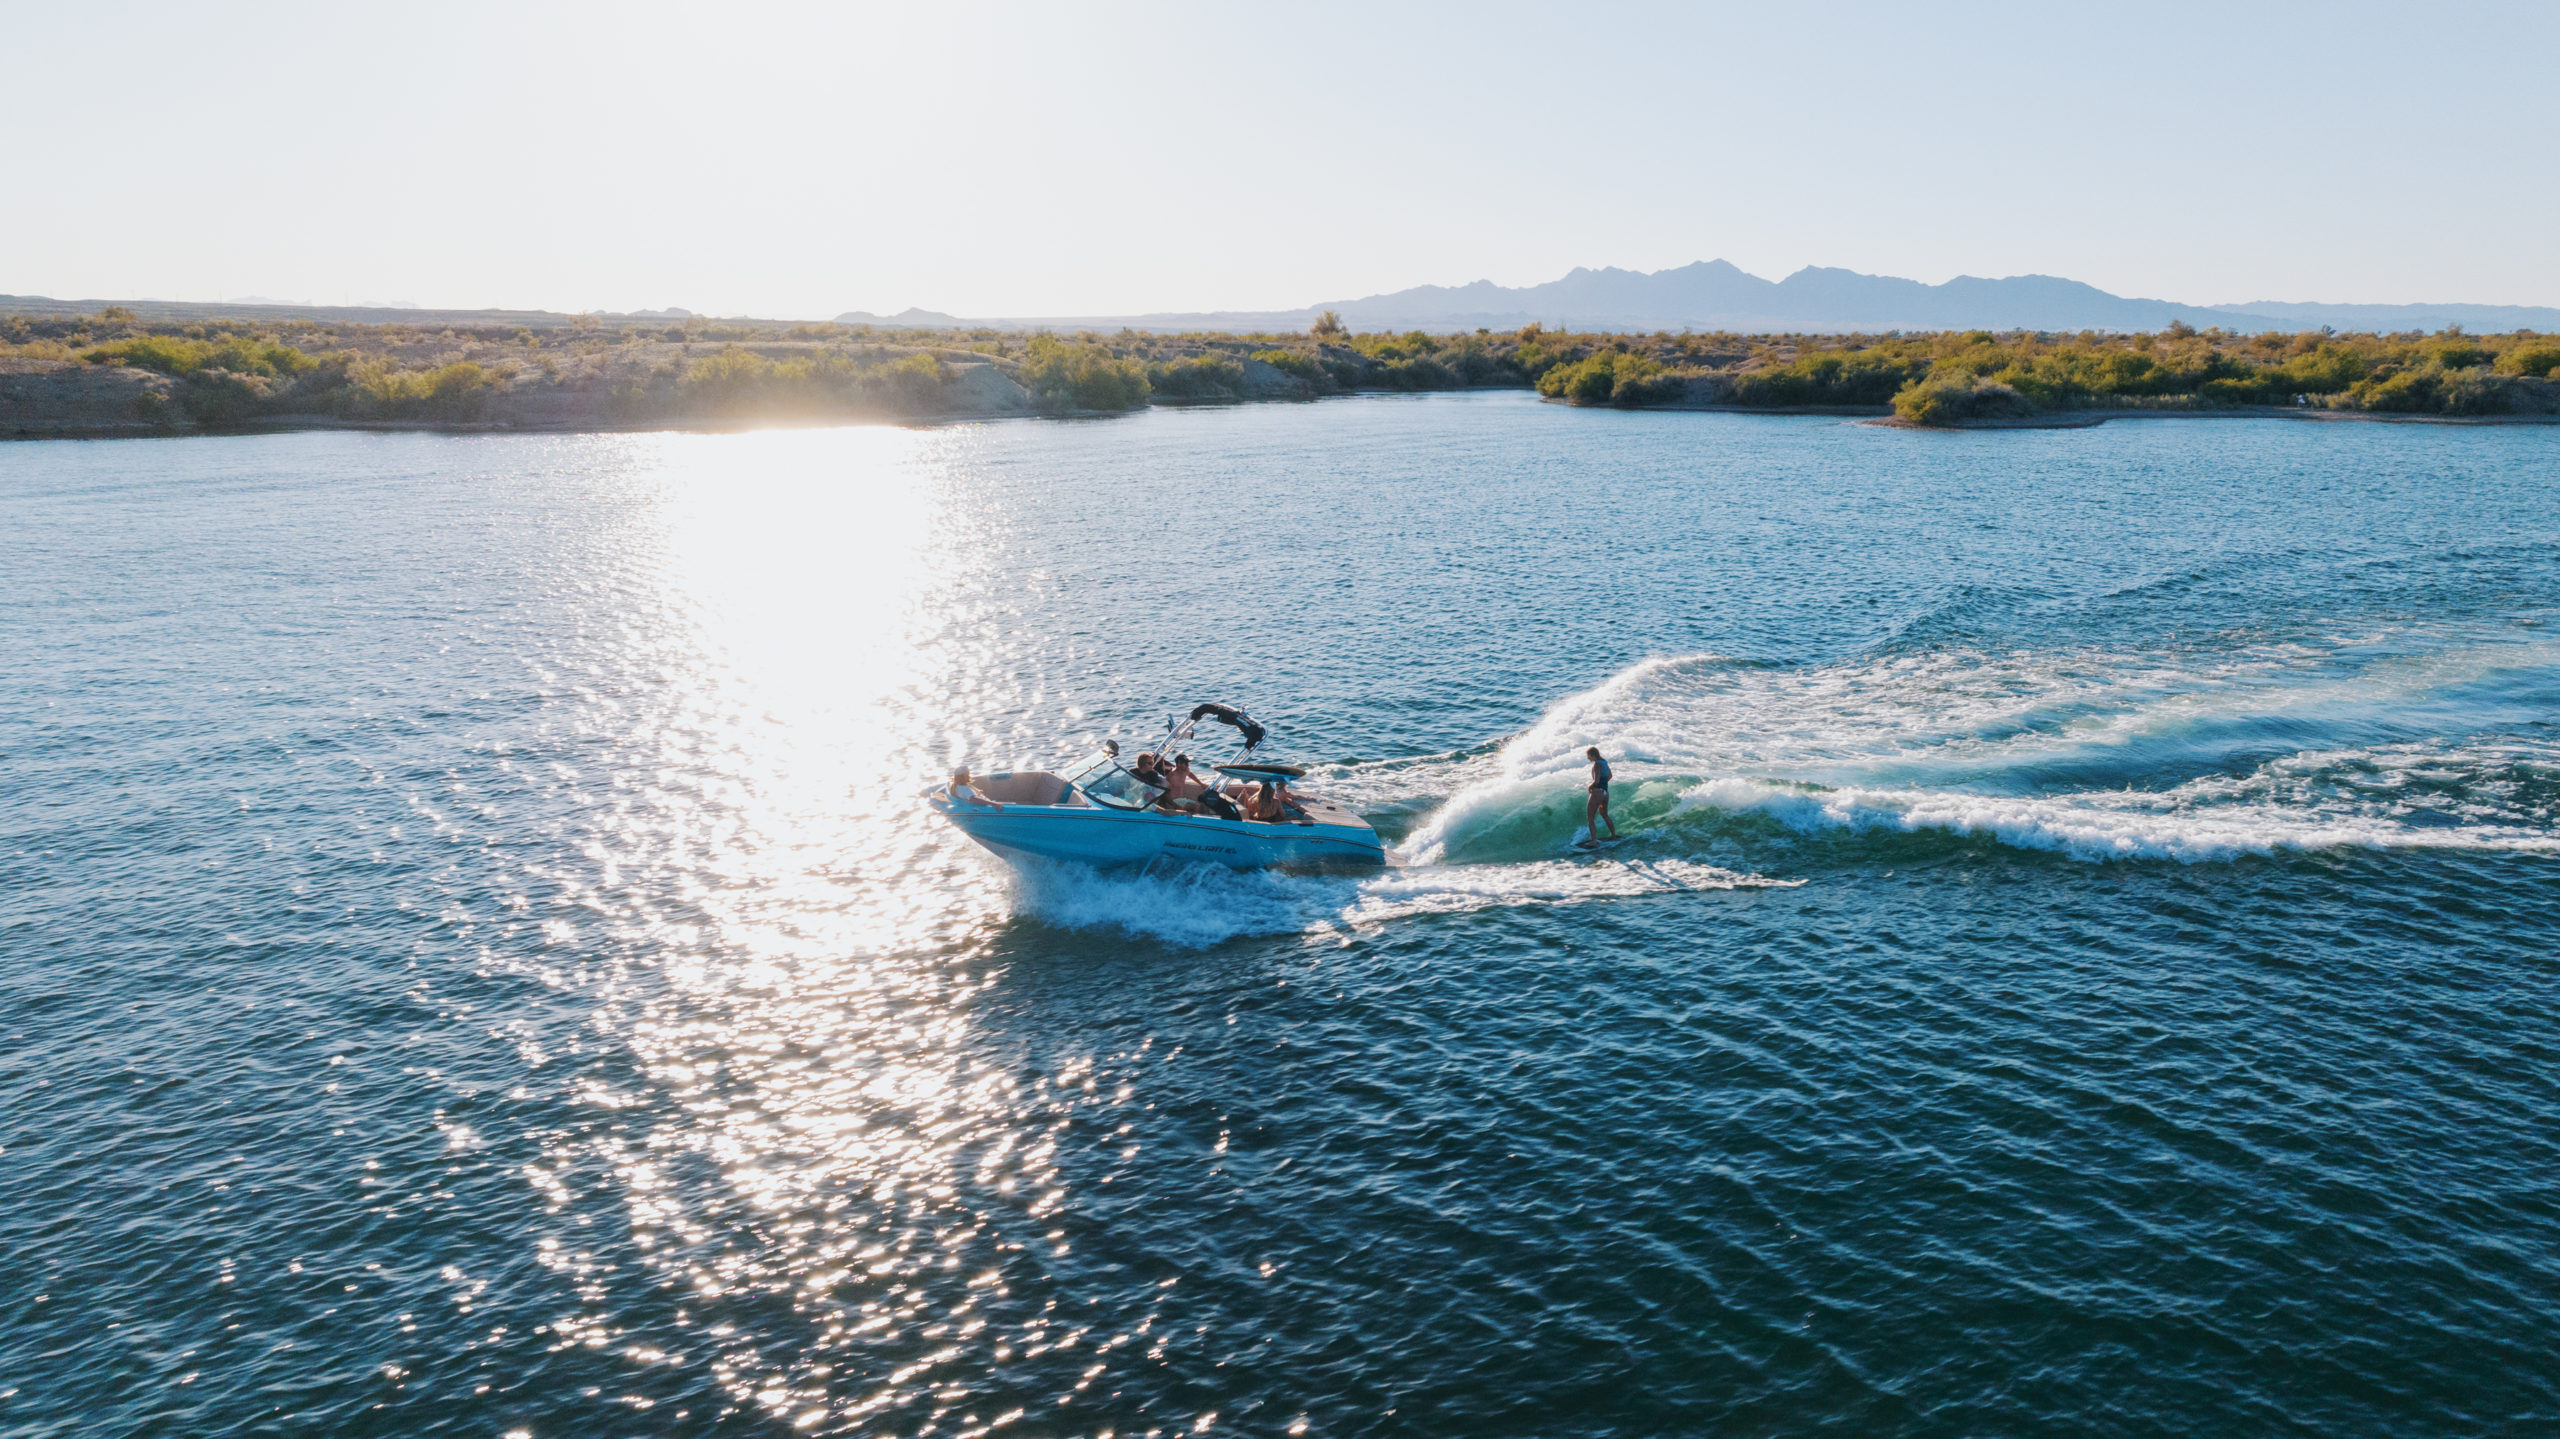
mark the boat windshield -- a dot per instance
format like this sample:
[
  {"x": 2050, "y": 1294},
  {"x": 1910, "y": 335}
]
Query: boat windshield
[{"x": 1112, "y": 785}]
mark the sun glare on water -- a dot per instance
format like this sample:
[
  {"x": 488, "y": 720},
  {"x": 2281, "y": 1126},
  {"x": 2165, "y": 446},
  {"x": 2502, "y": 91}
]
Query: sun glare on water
[{"x": 792, "y": 994}]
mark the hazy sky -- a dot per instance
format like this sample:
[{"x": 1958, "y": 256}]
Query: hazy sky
[{"x": 798, "y": 160}]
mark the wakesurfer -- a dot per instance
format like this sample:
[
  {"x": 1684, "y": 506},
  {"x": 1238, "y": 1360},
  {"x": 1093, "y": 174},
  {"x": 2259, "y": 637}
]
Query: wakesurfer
[{"x": 1595, "y": 810}]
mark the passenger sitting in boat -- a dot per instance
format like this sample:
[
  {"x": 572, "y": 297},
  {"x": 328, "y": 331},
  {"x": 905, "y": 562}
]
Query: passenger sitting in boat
[
  {"x": 1187, "y": 793},
  {"x": 1160, "y": 774},
  {"x": 962, "y": 792},
  {"x": 1147, "y": 768},
  {"x": 1263, "y": 805},
  {"x": 1286, "y": 804}
]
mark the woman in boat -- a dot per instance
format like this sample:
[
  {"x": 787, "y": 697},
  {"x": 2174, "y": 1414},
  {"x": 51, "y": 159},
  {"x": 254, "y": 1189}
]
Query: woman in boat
[{"x": 1263, "y": 805}]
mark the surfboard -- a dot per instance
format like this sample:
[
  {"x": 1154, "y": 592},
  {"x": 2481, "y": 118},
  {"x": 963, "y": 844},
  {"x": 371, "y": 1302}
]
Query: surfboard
[{"x": 1588, "y": 846}]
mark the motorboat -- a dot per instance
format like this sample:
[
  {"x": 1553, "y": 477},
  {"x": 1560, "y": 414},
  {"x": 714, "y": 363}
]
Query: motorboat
[{"x": 1102, "y": 813}]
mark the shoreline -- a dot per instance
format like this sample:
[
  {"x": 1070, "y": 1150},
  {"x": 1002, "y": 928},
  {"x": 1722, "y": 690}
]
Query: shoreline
[
  {"x": 1880, "y": 416},
  {"x": 2091, "y": 419},
  {"x": 299, "y": 424},
  {"x": 114, "y": 375}
]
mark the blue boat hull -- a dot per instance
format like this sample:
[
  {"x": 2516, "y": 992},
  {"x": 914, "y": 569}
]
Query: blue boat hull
[{"x": 1110, "y": 838}]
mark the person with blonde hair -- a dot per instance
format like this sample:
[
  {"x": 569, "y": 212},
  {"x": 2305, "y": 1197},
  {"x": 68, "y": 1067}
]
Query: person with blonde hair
[
  {"x": 963, "y": 792},
  {"x": 1263, "y": 804}
]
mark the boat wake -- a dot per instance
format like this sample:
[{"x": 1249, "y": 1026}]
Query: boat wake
[
  {"x": 2412, "y": 740},
  {"x": 1734, "y": 775}
]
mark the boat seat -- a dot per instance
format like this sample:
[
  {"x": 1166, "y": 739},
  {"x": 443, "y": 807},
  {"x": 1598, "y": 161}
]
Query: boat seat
[{"x": 1022, "y": 787}]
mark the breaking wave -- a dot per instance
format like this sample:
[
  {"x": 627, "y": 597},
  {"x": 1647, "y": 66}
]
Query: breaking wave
[
  {"x": 2395, "y": 740},
  {"x": 1734, "y": 775}
]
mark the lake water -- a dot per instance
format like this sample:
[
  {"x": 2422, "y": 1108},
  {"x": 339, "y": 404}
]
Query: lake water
[{"x": 472, "y": 960}]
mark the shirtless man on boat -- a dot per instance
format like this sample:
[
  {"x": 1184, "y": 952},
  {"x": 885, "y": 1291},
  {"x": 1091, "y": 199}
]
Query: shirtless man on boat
[{"x": 1187, "y": 793}]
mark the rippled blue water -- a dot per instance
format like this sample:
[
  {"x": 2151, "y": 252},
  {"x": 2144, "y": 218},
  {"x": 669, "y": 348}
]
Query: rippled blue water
[{"x": 471, "y": 959}]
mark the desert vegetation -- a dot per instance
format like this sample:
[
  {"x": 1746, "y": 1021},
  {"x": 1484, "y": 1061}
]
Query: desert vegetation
[
  {"x": 110, "y": 373},
  {"x": 113, "y": 373},
  {"x": 1978, "y": 375},
  {"x": 1975, "y": 376}
]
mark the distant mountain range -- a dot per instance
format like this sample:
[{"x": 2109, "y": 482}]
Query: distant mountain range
[
  {"x": 1709, "y": 295},
  {"x": 1716, "y": 295}
]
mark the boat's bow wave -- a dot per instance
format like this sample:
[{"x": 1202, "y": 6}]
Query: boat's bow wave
[{"x": 1199, "y": 905}]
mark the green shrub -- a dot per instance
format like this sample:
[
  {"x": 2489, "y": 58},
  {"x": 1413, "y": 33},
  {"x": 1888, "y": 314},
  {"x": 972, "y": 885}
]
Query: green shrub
[
  {"x": 176, "y": 356},
  {"x": 222, "y": 397},
  {"x": 1202, "y": 377},
  {"x": 1610, "y": 378},
  {"x": 1590, "y": 381},
  {"x": 2325, "y": 370},
  {"x": 448, "y": 392},
  {"x": 739, "y": 383},
  {"x": 454, "y": 388},
  {"x": 2539, "y": 357},
  {"x": 1290, "y": 362},
  {"x": 161, "y": 354},
  {"x": 1643, "y": 383},
  {"x": 1081, "y": 377},
  {"x": 1952, "y": 396},
  {"x": 1866, "y": 377},
  {"x": 1473, "y": 364},
  {"x": 730, "y": 372},
  {"x": 918, "y": 384},
  {"x": 1420, "y": 373},
  {"x": 1535, "y": 357},
  {"x": 2409, "y": 391},
  {"x": 2260, "y": 389},
  {"x": 1586, "y": 381},
  {"x": 2474, "y": 391},
  {"x": 1346, "y": 371},
  {"x": 2456, "y": 353}
]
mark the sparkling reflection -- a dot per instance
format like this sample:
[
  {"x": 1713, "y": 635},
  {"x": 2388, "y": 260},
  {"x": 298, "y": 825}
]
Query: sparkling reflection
[{"x": 849, "y": 1208}]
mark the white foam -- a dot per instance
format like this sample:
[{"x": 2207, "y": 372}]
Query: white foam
[
  {"x": 1200, "y": 906},
  {"x": 1954, "y": 741},
  {"x": 2111, "y": 825}
]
